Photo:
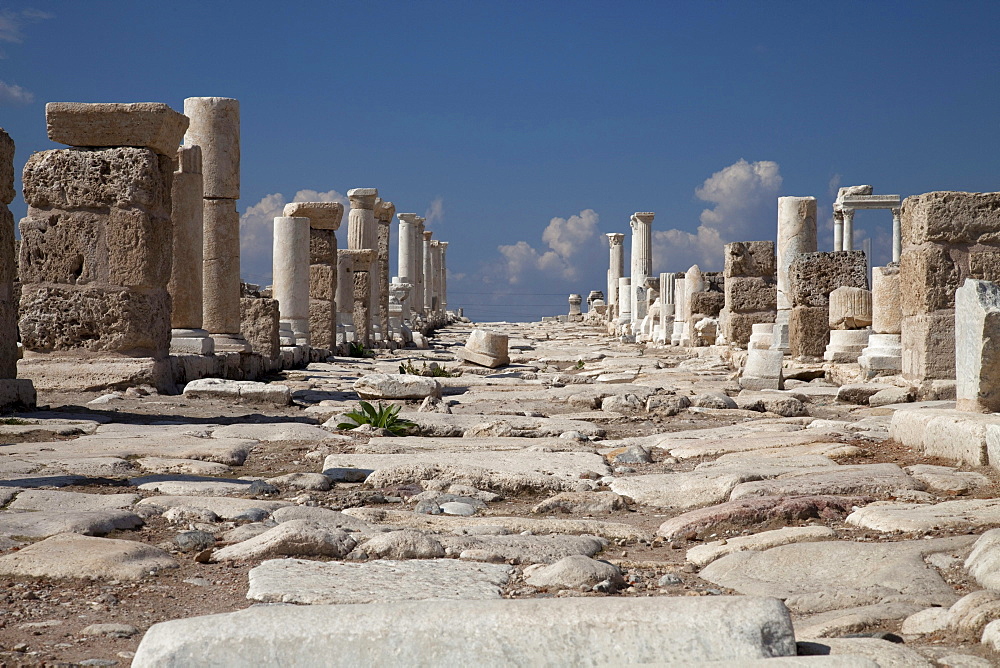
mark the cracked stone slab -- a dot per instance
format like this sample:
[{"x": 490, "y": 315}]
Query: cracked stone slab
[
  {"x": 226, "y": 508},
  {"x": 861, "y": 479},
  {"x": 442, "y": 424},
  {"x": 312, "y": 582},
  {"x": 43, "y": 499},
  {"x": 232, "y": 452},
  {"x": 45, "y": 523},
  {"x": 889, "y": 517},
  {"x": 69, "y": 555}
]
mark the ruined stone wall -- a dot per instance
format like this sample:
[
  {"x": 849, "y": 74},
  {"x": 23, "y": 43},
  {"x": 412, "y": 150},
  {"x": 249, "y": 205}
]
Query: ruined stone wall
[
  {"x": 751, "y": 292},
  {"x": 947, "y": 237},
  {"x": 96, "y": 252},
  {"x": 812, "y": 277},
  {"x": 259, "y": 325},
  {"x": 323, "y": 288},
  {"x": 8, "y": 271}
]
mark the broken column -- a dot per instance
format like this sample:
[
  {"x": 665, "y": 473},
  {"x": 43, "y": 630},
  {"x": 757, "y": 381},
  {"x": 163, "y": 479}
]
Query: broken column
[
  {"x": 615, "y": 271},
  {"x": 796, "y": 235},
  {"x": 667, "y": 307},
  {"x": 642, "y": 261},
  {"x": 399, "y": 293},
  {"x": 811, "y": 278},
  {"x": 13, "y": 392},
  {"x": 679, "y": 300},
  {"x": 850, "y": 315},
  {"x": 362, "y": 235},
  {"x": 362, "y": 261},
  {"x": 750, "y": 290},
  {"x": 693, "y": 282},
  {"x": 977, "y": 346},
  {"x": 443, "y": 275},
  {"x": 215, "y": 127},
  {"x": 575, "y": 313},
  {"x": 97, "y": 243},
  {"x": 291, "y": 275},
  {"x": 384, "y": 212},
  {"x": 406, "y": 266},
  {"x": 417, "y": 294},
  {"x": 187, "y": 337},
  {"x": 324, "y": 221},
  {"x": 947, "y": 237},
  {"x": 345, "y": 297},
  {"x": 884, "y": 354},
  {"x": 624, "y": 303}
]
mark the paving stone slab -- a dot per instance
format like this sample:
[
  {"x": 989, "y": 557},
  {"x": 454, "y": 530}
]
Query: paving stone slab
[
  {"x": 281, "y": 431},
  {"x": 689, "y": 448},
  {"x": 231, "y": 452},
  {"x": 609, "y": 530},
  {"x": 799, "y": 568},
  {"x": 161, "y": 465},
  {"x": 45, "y": 523},
  {"x": 70, "y": 555},
  {"x": 521, "y": 549},
  {"x": 43, "y": 499},
  {"x": 860, "y": 479},
  {"x": 311, "y": 582},
  {"x": 838, "y": 623},
  {"x": 702, "y": 555},
  {"x": 442, "y": 424},
  {"x": 294, "y": 538},
  {"x": 891, "y": 517},
  {"x": 225, "y": 507},
  {"x": 175, "y": 485},
  {"x": 579, "y": 631},
  {"x": 399, "y": 445},
  {"x": 886, "y": 654}
]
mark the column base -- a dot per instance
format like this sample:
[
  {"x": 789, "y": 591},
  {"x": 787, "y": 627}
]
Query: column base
[
  {"x": 762, "y": 336},
  {"x": 16, "y": 393},
  {"x": 230, "y": 343},
  {"x": 846, "y": 345},
  {"x": 883, "y": 356},
  {"x": 779, "y": 338},
  {"x": 191, "y": 342}
]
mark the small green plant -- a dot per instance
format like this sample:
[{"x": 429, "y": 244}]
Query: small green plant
[
  {"x": 433, "y": 371},
  {"x": 358, "y": 350},
  {"x": 579, "y": 364},
  {"x": 13, "y": 421},
  {"x": 383, "y": 417},
  {"x": 408, "y": 368}
]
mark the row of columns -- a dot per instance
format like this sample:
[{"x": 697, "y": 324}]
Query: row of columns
[{"x": 843, "y": 230}]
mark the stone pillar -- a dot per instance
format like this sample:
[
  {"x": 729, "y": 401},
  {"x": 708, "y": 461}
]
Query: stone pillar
[
  {"x": 427, "y": 275},
  {"x": 361, "y": 264},
  {"x": 362, "y": 235},
  {"x": 324, "y": 221},
  {"x": 679, "y": 299},
  {"x": 624, "y": 304},
  {"x": 417, "y": 295},
  {"x": 642, "y": 261},
  {"x": 693, "y": 282},
  {"x": 977, "y": 346},
  {"x": 97, "y": 243},
  {"x": 398, "y": 295},
  {"x": 838, "y": 229},
  {"x": 186, "y": 275},
  {"x": 897, "y": 234},
  {"x": 215, "y": 127},
  {"x": 848, "y": 243},
  {"x": 575, "y": 301},
  {"x": 384, "y": 212},
  {"x": 345, "y": 297},
  {"x": 796, "y": 235},
  {"x": 435, "y": 275},
  {"x": 13, "y": 393},
  {"x": 667, "y": 308},
  {"x": 291, "y": 275},
  {"x": 443, "y": 271},
  {"x": 615, "y": 271},
  {"x": 406, "y": 265}
]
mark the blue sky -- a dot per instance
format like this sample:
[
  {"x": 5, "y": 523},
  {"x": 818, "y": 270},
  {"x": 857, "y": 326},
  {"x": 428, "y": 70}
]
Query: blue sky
[{"x": 530, "y": 129}]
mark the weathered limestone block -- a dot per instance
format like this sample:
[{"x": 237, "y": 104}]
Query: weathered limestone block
[
  {"x": 7, "y": 192},
  {"x": 977, "y": 346},
  {"x": 813, "y": 276},
  {"x": 188, "y": 246},
  {"x": 931, "y": 277},
  {"x": 929, "y": 346},
  {"x": 95, "y": 319},
  {"x": 215, "y": 127},
  {"x": 947, "y": 217},
  {"x": 321, "y": 215},
  {"x": 151, "y": 125},
  {"x": 850, "y": 308},
  {"x": 707, "y": 303},
  {"x": 750, "y": 294},
  {"x": 259, "y": 318},
  {"x": 485, "y": 348},
  {"x": 8, "y": 307},
  {"x": 886, "y": 300},
  {"x": 750, "y": 258},
  {"x": 763, "y": 370},
  {"x": 80, "y": 178},
  {"x": 808, "y": 331},
  {"x": 221, "y": 268}
]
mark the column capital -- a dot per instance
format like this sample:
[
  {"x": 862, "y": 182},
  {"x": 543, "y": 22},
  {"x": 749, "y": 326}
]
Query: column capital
[
  {"x": 321, "y": 215},
  {"x": 420, "y": 224},
  {"x": 644, "y": 217},
  {"x": 408, "y": 218},
  {"x": 362, "y": 198},
  {"x": 896, "y": 211},
  {"x": 847, "y": 213},
  {"x": 427, "y": 235},
  {"x": 443, "y": 244},
  {"x": 615, "y": 238},
  {"x": 384, "y": 211},
  {"x": 435, "y": 243}
]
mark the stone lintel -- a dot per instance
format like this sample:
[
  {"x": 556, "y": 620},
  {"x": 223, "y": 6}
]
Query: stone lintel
[
  {"x": 321, "y": 215},
  {"x": 152, "y": 125},
  {"x": 870, "y": 202}
]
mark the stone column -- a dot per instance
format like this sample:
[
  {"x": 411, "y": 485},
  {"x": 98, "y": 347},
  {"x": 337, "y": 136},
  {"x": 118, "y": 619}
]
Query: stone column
[
  {"x": 897, "y": 234},
  {"x": 345, "y": 297},
  {"x": 575, "y": 301},
  {"x": 13, "y": 393},
  {"x": 362, "y": 235},
  {"x": 417, "y": 294},
  {"x": 616, "y": 269},
  {"x": 624, "y": 304},
  {"x": 838, "y": 229},
  {"x": 97, "y": 243},
  {"x": 443, "y": 272},
  {"x": 679, "y": 303},
  {"x": 884, "y": 354},
  {"x": 848, "y": 243},
  {"x": 361, "y": 264},
  {"x": 398, "y": 295},
  {"x": 291, "y": 275},
  {"x": 427, "y": 275},
  {"x": 667, "y": 307},
  {"x": 694, "y": 282},
  {"x": 215, "y": 127},
  {"x": 406, "y": 265},
  {"x": 642, "y": 261},
  {"x": 384, "y": 212},
  {"x": 324, "y": 221},
  {"x": 435, "y": 275},
  {"x": 796, "y": 235},
  {"x": 186, "y": 275}
]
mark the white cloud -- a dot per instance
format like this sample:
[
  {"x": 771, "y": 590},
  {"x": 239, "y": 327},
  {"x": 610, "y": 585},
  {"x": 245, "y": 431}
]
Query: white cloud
[
  {"x": 435, "y": 211},
  {"x": 12, "y": 94},
  {"x": 11, "y": 23},
  {"x": 834, "y": 185},
  {"x": 744, "y": 195},
  {"x": 565, "y": 237},
  {"x": 257, "y": 230}
]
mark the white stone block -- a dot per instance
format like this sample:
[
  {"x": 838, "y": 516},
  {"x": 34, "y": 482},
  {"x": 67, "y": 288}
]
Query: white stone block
[
  {"x": 763, "y": 370},
  {"x": 152, "y": 125},
  {"x": 977, "y": 346},
  {"x": 850, "y": 308},
  {"x": 846, "y": 345}
]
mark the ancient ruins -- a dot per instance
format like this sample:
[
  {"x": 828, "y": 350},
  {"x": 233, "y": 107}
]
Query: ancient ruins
[{"x": 791, "y": 461}]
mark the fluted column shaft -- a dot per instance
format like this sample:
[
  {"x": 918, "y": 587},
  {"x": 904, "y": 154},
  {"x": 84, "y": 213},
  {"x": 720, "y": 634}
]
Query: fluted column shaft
[{"x": 642, "y": 261}]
